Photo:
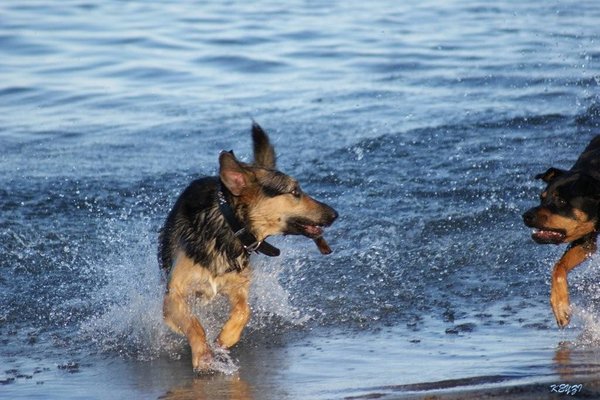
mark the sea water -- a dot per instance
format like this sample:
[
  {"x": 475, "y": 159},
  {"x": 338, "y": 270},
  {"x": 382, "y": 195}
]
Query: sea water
[{"x": 421, "y": 122}]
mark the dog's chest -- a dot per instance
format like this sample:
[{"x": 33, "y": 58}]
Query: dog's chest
[
  {"x": 221, "y": 276},
  {"x": 206, "y": 289}
]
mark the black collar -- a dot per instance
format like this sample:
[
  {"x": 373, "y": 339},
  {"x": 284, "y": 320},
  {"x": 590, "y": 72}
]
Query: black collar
[{"x": 240, "y": 231}]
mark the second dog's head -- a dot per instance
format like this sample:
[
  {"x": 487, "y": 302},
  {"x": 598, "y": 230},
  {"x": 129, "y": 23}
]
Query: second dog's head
[
  {"x": 273, "y": 202},
  {"x": 568, "y": 209}
]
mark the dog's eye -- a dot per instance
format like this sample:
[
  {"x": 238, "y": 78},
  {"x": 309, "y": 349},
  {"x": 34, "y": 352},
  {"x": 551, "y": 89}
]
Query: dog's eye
[
  {"x": 560, "y": 202},
  {"x": 296, "y": 192}
]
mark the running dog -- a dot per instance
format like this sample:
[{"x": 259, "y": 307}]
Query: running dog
[
  {"x": 214, "y": 226},
  {"x": 568, "y": 213}
]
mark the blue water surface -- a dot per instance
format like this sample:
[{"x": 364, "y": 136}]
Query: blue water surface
[{"x": 421, "y": 122}]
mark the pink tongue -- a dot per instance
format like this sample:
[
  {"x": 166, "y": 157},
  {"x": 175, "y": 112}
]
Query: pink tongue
[{"x": 313, "y": 230}]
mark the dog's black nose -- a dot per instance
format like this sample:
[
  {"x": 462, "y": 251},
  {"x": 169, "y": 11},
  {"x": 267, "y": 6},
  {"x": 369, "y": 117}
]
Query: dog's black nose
[
  {"x": 529, "y": 217},
  {"x": 328, "y": 214},
  {"x": 335, "y": 215}
]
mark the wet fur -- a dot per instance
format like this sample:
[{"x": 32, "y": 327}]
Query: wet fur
[
  {"x": 568, "y": 213},
  {"x": 200, "y": 254}
]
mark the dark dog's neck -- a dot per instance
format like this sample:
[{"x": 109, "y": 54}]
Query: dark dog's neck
[{"x": 240, "y": 230}]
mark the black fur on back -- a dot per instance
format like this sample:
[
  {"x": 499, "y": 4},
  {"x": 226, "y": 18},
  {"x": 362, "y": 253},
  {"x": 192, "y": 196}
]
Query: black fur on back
[{"x": 196, "y": 226}]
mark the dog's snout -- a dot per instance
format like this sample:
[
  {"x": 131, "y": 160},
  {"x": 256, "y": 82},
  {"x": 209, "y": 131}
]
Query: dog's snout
[
  {"x": 529, "y": 217},
  {"x": 326, "y": 214},
  {"x": 330, "y": 214}
]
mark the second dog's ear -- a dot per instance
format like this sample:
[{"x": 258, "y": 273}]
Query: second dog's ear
[
  {"x": 550, "y": 174},
  {"x": 232, "y": 173},
  {"x": 264, "y": 153},
  {"x": 587, "y": 186}
]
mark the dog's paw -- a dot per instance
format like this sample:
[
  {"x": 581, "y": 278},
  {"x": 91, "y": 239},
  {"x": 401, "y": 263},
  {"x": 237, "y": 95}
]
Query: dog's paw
[
  {"x": 202, "y": 362},
  {"x": 562, "y": 313}
]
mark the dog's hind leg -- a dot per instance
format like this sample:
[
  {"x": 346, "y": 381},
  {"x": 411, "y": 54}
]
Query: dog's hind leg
[
  {"x": 559, "y": 295},
  {"x": 237, "y": 291}
]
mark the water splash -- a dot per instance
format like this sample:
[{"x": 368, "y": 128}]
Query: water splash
[
  {"x": 585, "y": 297},
  {"x": 222, "y": 362},
  {"x": 128, "y": 307},
  {"x": 269, "y": 299}
]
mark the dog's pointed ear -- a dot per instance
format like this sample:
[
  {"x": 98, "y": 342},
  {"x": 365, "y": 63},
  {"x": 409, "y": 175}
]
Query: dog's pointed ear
[
  {"x": 587, "y": 186},
  {"x": 550, "y": 174},
  {"x": 232, "y": 173},
  {"x": 264, "y": 153}
]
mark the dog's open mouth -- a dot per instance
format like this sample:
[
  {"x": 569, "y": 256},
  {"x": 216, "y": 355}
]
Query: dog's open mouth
[
  {"x": 305, "y": 227},
  {"x": 311, "y": 229},
  {"x": 548, "y": 236}
]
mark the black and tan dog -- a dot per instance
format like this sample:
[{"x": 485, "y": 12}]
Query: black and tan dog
[
  {"x": 214, "y": 226},
  {"x": 568, "y": 213}
]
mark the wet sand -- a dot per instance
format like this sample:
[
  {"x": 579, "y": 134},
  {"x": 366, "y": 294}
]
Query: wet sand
[
  {"x": 325, "y": 365},
  {"x": 585, "y": 389},
  {"x": 588, "y": 388}
]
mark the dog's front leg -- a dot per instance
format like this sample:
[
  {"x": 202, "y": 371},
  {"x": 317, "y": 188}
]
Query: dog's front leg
[
  {"x": 179, "y": 318},
  {"x": 559, "y": 295},
  {"x": 239, "y": 316}
]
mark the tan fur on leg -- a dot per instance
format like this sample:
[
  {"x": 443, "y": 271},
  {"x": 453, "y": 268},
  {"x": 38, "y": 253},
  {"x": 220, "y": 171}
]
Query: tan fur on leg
[
  {"x": 559, "y": 295},
  {"x": 179, "y": 318},
  {"x": 185, "y": 279},
  {"x": 240, "y": 311}
]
